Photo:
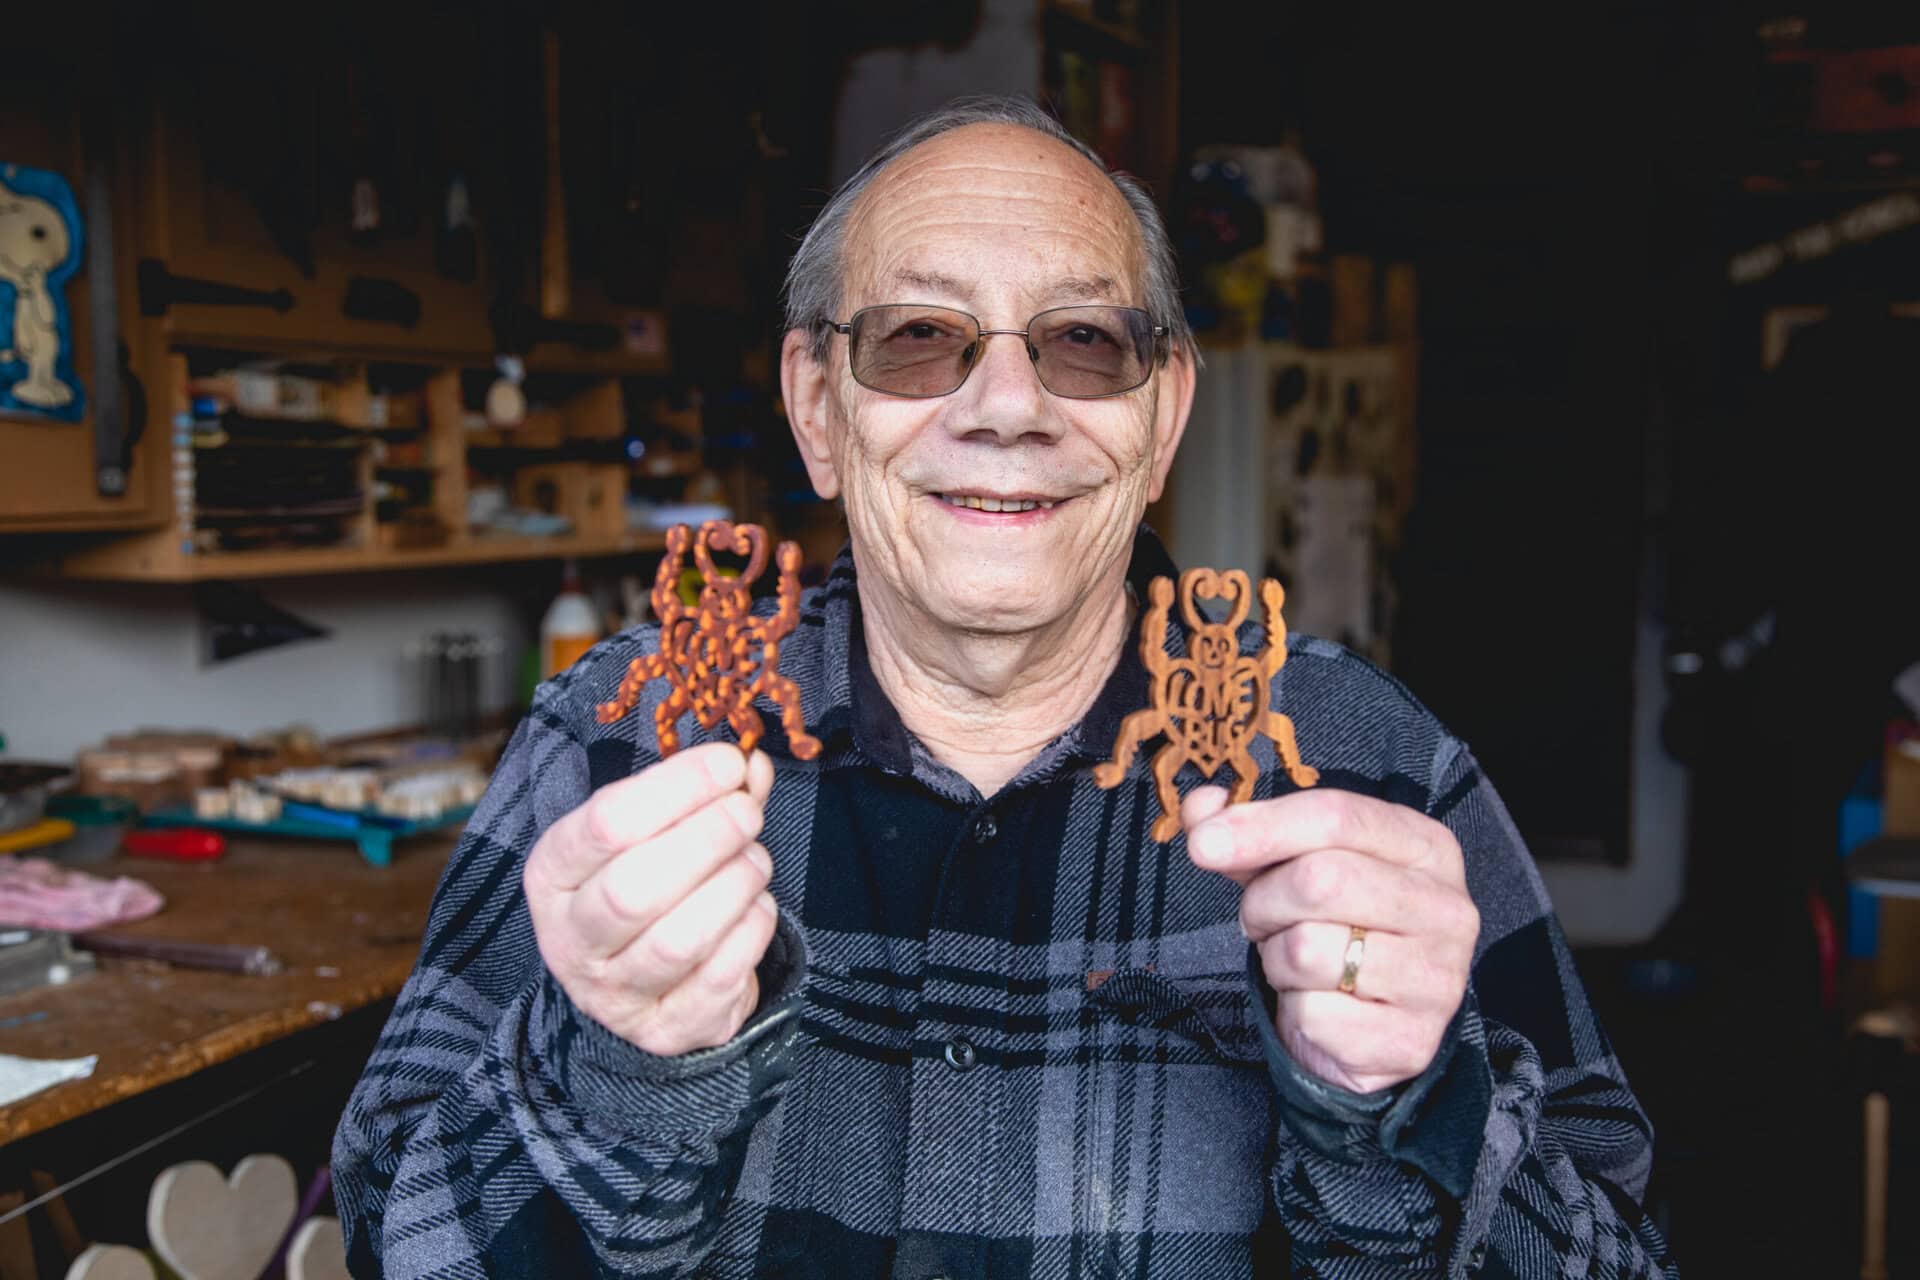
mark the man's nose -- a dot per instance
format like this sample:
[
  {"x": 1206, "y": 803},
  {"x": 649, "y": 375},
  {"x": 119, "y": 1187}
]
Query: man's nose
[{"x": 1002, "y": 401}]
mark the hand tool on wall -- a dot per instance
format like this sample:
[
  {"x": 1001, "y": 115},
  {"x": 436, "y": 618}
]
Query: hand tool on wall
[
  {"x": 161, "y": 289},
  {"x": 555, "y": 270}
]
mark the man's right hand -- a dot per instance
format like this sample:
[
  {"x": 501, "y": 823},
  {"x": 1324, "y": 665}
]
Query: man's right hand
[{"x": 650, "y": 900}]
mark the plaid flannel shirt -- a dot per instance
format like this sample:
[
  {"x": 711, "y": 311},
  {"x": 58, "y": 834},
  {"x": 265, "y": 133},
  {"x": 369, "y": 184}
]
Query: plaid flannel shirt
[{"x": 998, "y": 1037}]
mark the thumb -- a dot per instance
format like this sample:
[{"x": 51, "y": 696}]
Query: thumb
[{"x": 1200, "y": 804}]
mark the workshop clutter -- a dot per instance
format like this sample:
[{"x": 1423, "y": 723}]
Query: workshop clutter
[
  {"x": 421, "y": 777},
  {"x": 209, "y": 1225}
]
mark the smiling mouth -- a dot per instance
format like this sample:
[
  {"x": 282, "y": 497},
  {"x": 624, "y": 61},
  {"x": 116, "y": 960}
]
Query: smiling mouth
[{"x": 975, "y": 502}]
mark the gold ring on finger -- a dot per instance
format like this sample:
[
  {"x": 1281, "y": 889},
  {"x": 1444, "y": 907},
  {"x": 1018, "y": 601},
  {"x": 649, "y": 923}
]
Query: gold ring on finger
[{"x": 1350, "y": 966}]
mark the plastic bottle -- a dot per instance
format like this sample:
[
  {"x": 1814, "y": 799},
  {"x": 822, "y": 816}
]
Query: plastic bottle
[{"x": 571, "y": 627}]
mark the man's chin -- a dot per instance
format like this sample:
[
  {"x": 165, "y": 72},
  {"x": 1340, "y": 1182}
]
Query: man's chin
[{"x": 980, "y": 609}]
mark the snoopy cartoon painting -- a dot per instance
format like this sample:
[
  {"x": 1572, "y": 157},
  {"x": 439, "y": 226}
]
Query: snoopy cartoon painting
[{"x": 40, "y": 248}]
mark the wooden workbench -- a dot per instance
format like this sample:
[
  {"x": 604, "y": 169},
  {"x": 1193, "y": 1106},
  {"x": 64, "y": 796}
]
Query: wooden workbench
[{"x": 346, "y": 932}]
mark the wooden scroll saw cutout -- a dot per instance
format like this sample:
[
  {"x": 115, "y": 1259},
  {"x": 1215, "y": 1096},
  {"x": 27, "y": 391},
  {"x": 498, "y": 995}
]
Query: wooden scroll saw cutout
[
  {"x": 1211, "y": 703},
  {"x": 717, "y": 656}
]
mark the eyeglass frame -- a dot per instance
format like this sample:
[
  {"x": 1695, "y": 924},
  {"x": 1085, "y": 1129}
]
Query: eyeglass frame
[{"x": 1158, "y": 333}]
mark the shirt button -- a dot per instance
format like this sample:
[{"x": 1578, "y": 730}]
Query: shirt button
[
  {"x": 986, "y": 830},
  {"x": 960, "y": 1054},
  {"x": 1477, "y": 1257}
]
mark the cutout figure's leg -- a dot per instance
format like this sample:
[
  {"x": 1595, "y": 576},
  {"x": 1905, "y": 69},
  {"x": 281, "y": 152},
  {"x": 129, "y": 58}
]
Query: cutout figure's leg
[
  {"x": 642, "y": 669},
  {"x": 1280, "y": 729},
  {"x": 1134, "y": 730},
  {"x": 1165, "y": 765},
  {"x": 664, "y": 716},
  {"x": 1245, "y": 771},
  {"x": 786, "y": 695},
  {"x": 747, "y": 725}
]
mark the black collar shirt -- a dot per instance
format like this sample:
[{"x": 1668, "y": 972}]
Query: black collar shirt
[{"x": 1000, "y": 1038}]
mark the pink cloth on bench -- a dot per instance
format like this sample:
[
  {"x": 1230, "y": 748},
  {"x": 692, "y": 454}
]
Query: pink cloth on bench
[{"x": 36, "y": 894}]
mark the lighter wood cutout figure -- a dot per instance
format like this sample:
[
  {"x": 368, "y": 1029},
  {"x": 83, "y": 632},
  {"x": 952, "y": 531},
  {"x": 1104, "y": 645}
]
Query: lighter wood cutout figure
[
  {"x": 209, "y": 1227},
  {"x": 318, "y": 1251},
  {"x": 718, "y": 657},
  {"x": 1211, "y": 703},
  {"x": 110, "y": 1262}
]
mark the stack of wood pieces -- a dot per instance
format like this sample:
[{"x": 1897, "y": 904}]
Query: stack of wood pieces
[{"x": 207, "y": 1226}]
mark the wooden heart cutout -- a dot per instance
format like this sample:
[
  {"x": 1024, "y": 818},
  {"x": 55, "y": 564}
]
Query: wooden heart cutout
[
  {"x": 318, "y": 1252},
  {"x": 110, "y": 1262},
  {"x": 210, "y": 1227}
]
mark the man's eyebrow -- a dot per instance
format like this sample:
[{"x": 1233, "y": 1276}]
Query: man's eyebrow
[
  {"x": 1059, "y": 290},
  {"x": 932, "y": 281},
  {"x": 1081, "y": 288}
]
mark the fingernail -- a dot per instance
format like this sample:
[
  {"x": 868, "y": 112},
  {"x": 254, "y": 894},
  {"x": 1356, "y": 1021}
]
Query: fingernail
[
  {"x": 1210, "y": 842},
  {"x": 766, "y": 903},
  {"x": 746, "y": 813},
  {"x": 726, "y": 768}
]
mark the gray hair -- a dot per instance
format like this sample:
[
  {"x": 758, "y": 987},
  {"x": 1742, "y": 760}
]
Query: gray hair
[{"x": 815, "y": 275}]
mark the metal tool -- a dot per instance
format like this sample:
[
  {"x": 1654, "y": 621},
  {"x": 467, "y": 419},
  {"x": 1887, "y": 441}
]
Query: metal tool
[{"x": 254, "y": 961}]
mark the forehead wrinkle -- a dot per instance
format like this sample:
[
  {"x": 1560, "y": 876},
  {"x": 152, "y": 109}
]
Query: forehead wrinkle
[
  {"x": 1066, "y": 259},
  {"x": 1022, "y": 185},
  {"x": 1102, "y": 287},
  {"x": 923, "y": 206}
]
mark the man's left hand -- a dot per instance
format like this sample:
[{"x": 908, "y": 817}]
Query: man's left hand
[{"x": 1318, "y": 865}]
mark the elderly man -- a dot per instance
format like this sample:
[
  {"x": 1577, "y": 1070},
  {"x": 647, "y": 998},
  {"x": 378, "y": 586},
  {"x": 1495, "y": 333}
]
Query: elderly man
[{"x": 934, "y": 1004}]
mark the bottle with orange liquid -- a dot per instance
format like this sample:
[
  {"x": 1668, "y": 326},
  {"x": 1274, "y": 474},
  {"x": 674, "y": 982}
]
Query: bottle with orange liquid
[{"x": 571, "y": 627}]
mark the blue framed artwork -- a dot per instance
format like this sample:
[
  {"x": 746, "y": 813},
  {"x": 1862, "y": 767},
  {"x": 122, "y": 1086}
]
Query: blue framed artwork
[{"x": 41, "y": 242}]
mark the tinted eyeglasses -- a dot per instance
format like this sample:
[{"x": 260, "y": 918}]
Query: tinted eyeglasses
[{"x": 1082, "y": 353}]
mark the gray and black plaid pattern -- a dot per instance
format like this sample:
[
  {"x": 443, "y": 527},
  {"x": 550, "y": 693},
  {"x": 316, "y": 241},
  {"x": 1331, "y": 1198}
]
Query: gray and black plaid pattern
[{"x": 1000, "y": 1038}]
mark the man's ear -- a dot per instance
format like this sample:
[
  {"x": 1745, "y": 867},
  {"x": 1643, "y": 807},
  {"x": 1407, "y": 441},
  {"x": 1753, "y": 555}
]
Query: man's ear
[
  {"x": 1172, "y": 404},
  {"x": 808, "y": 389}
]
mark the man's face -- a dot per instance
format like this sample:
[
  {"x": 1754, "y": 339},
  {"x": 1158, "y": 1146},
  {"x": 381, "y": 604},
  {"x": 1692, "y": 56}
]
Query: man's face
[{"x": 999, "y": 222}]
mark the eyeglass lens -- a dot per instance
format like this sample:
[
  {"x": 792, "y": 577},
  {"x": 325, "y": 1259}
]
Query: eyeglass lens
[{"x": 1081, "y": 352}]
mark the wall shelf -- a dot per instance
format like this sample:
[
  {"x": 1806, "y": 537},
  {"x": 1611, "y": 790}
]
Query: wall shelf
[
  {"x": 143, "y": 560},
  {"x": 546, "y": 357},
  {"x": 590, "y": 495}
]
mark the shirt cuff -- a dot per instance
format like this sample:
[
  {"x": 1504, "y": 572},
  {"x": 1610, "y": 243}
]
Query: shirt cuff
[
  {"x": 708, "y": 1091},
  {"x": 1435, "y": 1122}
]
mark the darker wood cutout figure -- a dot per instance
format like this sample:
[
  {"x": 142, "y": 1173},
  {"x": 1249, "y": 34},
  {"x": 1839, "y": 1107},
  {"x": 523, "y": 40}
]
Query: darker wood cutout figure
[
  {"x": 1211, "y": 703},
  {"x": 717, "y": 656}
]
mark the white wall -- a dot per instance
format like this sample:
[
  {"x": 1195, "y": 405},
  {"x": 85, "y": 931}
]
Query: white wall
[
  {"x": 1219, "y": 473},
  {"x": 80, "y": 660}
]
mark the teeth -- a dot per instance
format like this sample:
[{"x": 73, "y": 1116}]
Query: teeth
[{"x": 975, "y": 503}]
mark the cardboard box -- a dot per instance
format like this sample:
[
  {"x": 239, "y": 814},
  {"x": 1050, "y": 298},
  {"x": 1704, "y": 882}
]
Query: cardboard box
[
  {"x": 593, "y": 495},
  {"x": 540, "y": 429},
  {"x": 598, "y": 413}
]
